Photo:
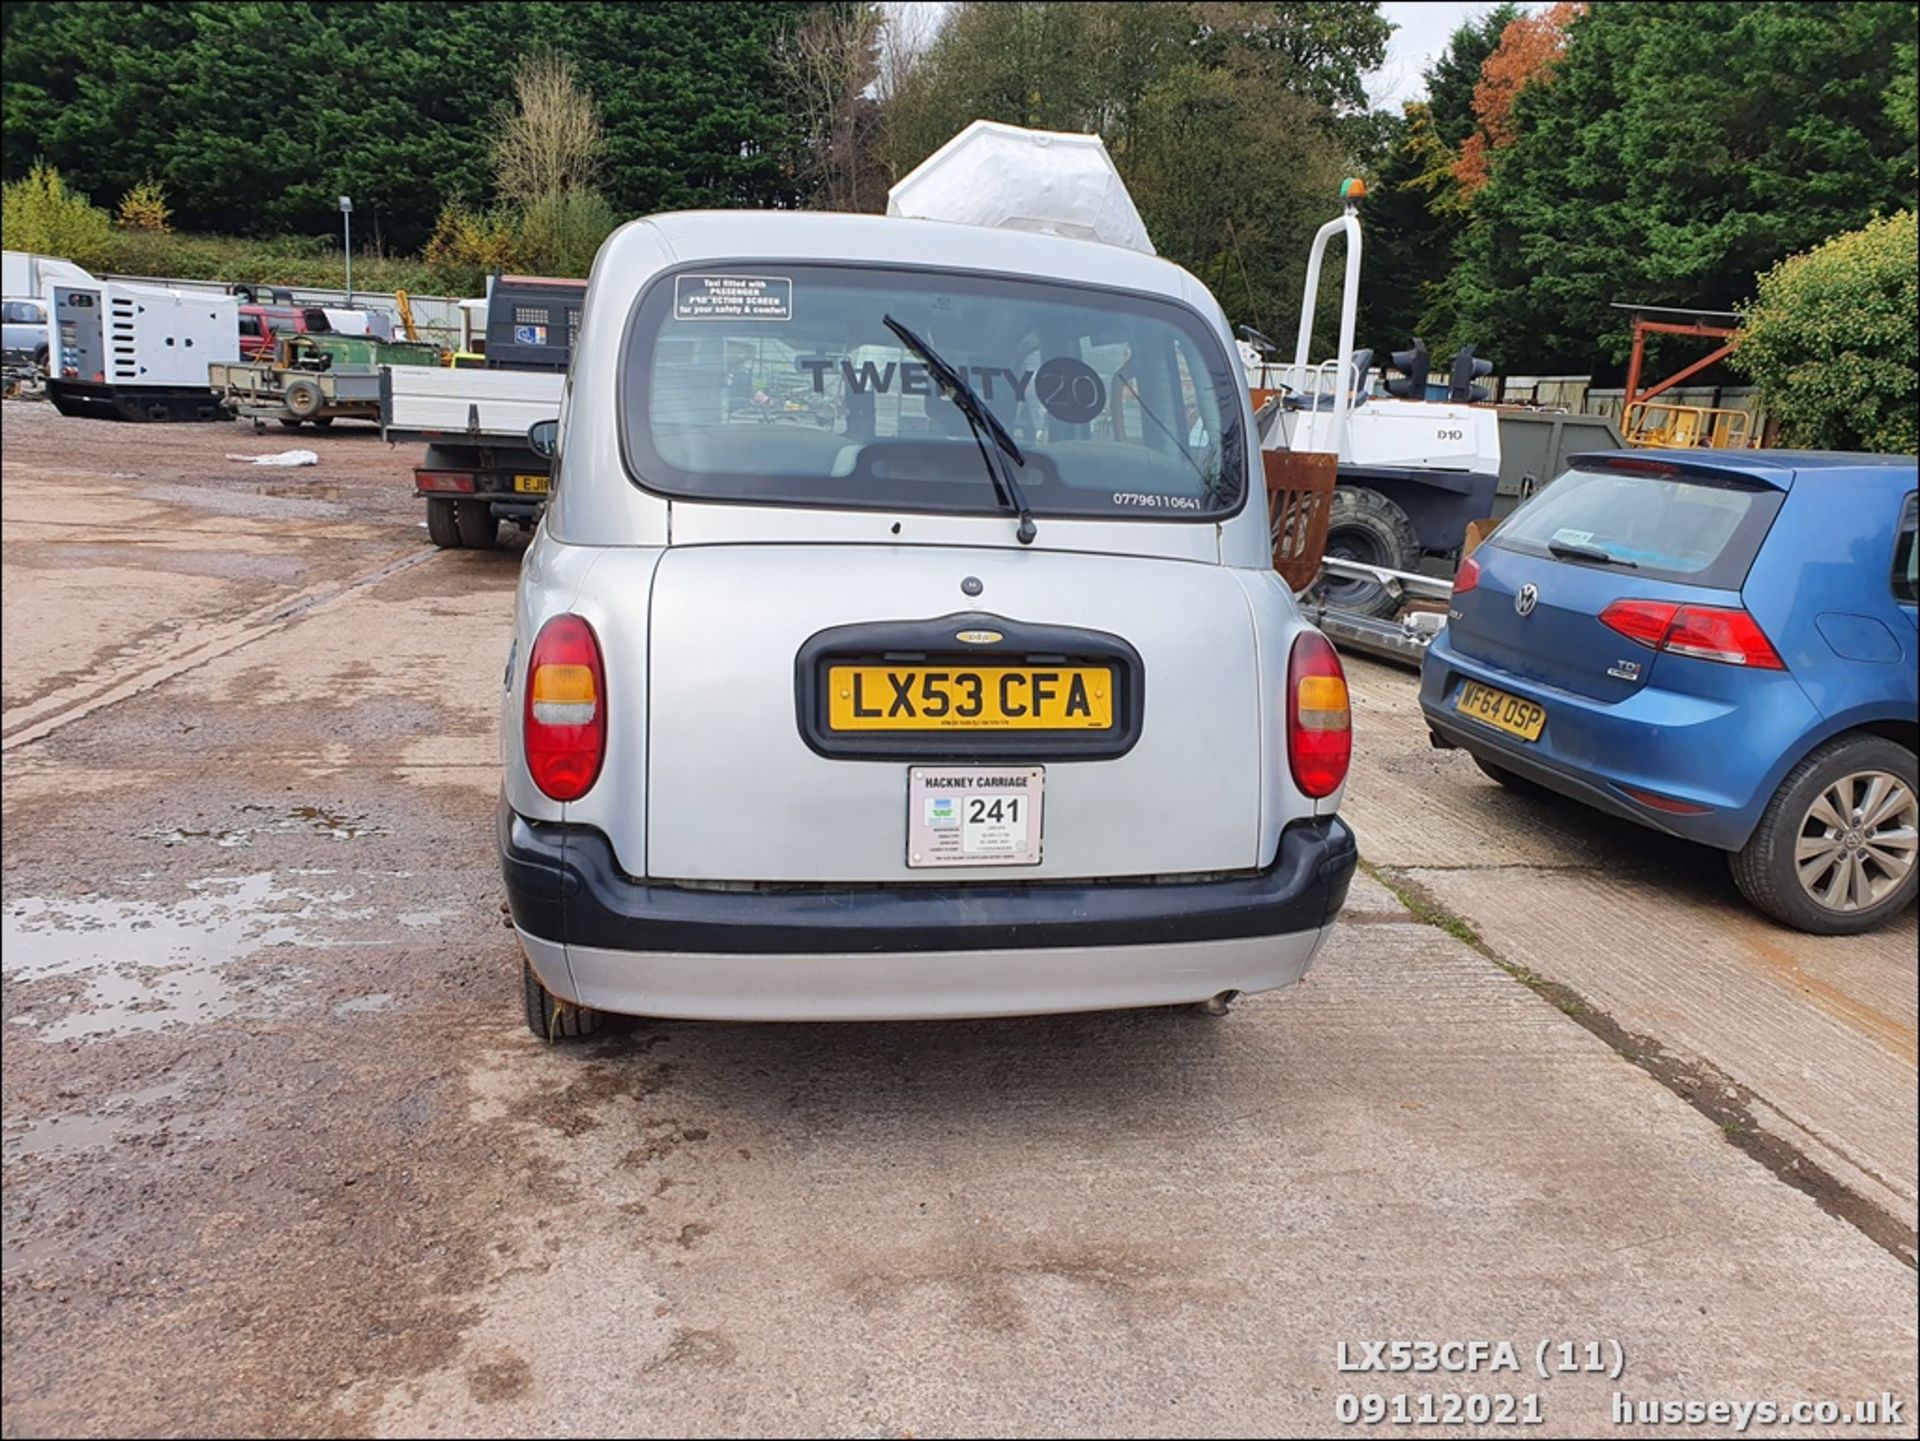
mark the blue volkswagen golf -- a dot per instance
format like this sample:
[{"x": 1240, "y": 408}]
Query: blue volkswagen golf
[{"x": 1720, "y": 645}]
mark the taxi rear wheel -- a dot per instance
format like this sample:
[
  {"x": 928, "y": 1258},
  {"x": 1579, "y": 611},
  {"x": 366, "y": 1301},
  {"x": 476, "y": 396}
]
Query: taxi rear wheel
[{"x": 551, "y": 1018}]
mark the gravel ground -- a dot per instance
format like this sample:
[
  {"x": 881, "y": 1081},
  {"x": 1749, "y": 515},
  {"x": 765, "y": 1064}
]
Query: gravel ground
[{"x": 280, "y": 1156}]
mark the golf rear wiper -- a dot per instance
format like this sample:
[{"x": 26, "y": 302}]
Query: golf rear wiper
[
  {"x": 982, "y": 422},
  {"x": 1571, "y": 550}
]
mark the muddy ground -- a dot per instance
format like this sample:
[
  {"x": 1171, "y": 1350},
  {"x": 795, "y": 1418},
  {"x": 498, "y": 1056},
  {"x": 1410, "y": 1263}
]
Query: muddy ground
[{"x": 280, "y": 1155}]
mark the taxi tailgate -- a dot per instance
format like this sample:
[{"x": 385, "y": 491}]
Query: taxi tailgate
[{"x": 735, "y": 791}]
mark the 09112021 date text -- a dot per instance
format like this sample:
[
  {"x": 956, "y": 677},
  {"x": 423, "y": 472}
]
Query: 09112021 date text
[{"x": 1454, "y": 1408}]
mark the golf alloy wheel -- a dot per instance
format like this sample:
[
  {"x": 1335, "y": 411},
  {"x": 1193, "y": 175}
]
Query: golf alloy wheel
[{"x": 1858, "y": 841}]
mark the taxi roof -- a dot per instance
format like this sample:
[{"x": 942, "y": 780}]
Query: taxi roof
[{"x": 734, "y": 235}]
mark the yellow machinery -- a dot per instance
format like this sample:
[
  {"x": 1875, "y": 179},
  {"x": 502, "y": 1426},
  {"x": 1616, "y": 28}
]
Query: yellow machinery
[
  {"x": 1683, "y": 427},
  {"x": 403, "y": 304}
]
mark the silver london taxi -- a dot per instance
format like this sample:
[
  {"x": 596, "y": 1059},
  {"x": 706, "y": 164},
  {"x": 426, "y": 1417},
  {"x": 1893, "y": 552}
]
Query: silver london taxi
[{"x": 901, "y": 641}]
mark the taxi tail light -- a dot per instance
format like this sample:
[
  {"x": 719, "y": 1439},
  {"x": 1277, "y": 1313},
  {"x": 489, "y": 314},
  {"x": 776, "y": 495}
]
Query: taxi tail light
[
  {"x": 564, "y": 728},
  {"x": 1706, "y": 632},
  {"x": 1319, "y": 717}
]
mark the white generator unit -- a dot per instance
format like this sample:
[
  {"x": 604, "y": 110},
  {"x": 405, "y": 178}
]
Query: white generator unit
[{"x": 138, "y": 352}]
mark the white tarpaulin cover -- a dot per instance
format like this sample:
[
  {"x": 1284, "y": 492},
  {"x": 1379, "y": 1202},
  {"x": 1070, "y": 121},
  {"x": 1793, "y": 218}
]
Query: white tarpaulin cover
[
  {"x": 1007, "y": 178},
  {"x": 282, "y": 457}
]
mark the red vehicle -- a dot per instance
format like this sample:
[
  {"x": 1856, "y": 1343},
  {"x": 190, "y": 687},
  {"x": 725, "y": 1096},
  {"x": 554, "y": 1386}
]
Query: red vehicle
[{"x": 259, "y": 324}]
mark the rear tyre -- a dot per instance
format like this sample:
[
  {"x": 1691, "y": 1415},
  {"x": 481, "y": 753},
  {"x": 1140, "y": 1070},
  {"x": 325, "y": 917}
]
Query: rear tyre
[
  {"x": 1834, "y": 853},
  {"x": 443, "y": 525},
  {"x": 1363, "y": 525},
  {"x": 1512, "y": 780},
  {"x": 549, "y": 1017},
  {"x": 479, "y": 530}
]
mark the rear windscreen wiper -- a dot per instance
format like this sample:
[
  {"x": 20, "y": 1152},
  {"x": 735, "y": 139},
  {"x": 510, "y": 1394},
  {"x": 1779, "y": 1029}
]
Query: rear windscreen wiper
[
  {"x": 982, "y": 422},
  {"x": 1571, "y": 550}
]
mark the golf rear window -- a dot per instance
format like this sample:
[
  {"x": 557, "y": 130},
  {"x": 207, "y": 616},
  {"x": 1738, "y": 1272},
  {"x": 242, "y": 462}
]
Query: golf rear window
[
  {"x": 781, "y": 383},
  {"x": 1692, "y": 528}
]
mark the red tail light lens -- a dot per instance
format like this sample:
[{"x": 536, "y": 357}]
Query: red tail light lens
[
  {"x": 564, "y": 728},
  {"x": 1319, "y": 717},
  {"x": 1642, "y": 621},
  {"x": 1705, "y": 632},
  {"x": 1730, "y": 636},
  {"x": 443, "y": 480},
  {"x": 1467, "y": 577}
]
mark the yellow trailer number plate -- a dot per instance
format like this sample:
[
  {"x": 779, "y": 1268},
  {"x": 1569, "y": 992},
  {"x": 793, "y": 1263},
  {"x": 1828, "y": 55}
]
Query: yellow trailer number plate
[
  {"x": 1496, "y": 708},
  {"x": 535, "y": 484},
  {"x": 950, "y": 698}
]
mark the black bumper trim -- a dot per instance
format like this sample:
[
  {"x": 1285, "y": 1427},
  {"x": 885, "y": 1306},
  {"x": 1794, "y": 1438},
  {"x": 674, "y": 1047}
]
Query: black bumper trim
[
  {"x": 1577, "y": 788},
  {"x": 564, "y": 885}
]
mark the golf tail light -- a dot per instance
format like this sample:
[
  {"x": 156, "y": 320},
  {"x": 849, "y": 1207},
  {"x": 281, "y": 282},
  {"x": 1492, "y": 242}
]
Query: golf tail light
[
  {"x": 1705, "y": 632},
  {"x": 1730, "y": 636},
  {"x": 1644, "y": 622},
  {"x": 1467, "y": 577},
  {"x": 565, "y": 727},
  {"x": 1319, "y": 719}
]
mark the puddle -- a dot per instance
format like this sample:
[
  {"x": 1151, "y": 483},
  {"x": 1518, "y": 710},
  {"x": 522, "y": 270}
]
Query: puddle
[
  {"x": 88, "y": 1131},
  {"x": 177, "y": 836},
  {"x": 148, "y": 965},
  {"x": 336, "y": 824},
  {"x": 331, "y": 823},
  {"x": 360, "y": 1005}
]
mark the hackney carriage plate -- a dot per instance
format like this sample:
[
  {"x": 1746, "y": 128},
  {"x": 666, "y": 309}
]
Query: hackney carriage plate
[{"x": 974, "y": 815}]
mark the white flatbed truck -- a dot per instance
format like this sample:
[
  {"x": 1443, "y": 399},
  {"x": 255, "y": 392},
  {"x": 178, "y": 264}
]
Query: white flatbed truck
[{"x": 479, "y": 469}]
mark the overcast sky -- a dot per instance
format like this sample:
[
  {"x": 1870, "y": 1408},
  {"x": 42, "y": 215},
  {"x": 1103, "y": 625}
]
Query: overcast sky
[
  {"x": 1424, "y": 28},
  {"x": 1423, "y": 34}
]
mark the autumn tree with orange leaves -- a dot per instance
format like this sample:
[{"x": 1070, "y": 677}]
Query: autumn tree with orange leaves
[
  {"x": 1528, "y": 48},
  {"x": 1667, "y": 156},
  {"x": 1661, "y": 154}
]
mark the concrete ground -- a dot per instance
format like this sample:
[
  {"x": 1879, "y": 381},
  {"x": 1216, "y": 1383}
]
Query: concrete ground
[{"x": 281, "y": 1157}]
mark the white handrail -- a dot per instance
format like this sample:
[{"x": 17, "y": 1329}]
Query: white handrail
[{"x": 1348, "y": 225}]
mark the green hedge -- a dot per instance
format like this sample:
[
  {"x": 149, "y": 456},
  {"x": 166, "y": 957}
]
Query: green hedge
[
  {"x": 40, "y": 214},
  {"x": 1831, "y": 341}
]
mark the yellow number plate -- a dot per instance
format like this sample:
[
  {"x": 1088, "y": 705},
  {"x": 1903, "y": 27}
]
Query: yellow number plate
[
  {"x": 1504, "y": 712},
  {"x": 537, "y": 484},
  {"x": 950, "y": 698}
]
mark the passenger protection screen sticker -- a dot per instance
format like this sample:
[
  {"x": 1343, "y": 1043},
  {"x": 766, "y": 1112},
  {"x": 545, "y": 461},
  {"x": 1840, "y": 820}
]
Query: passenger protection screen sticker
[{"x": 732, "y": 297}]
